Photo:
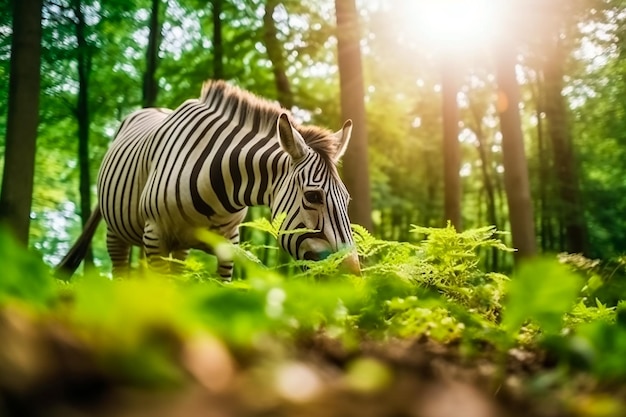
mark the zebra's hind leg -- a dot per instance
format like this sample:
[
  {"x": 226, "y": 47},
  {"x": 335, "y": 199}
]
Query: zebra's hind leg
[
  {"x": 179, "y": 255},
  {"x": 155, "y": 249},
  {"x": 119, "y": 252}
]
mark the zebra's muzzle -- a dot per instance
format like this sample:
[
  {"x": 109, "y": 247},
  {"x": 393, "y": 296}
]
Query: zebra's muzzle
[
  {"x": 349, "y": 265},
  {"x": 312, "y": 256}
]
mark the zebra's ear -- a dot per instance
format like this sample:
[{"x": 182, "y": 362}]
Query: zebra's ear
[
  {"x": 343, "y": 138},
  {"x": 289, "y": 138}
]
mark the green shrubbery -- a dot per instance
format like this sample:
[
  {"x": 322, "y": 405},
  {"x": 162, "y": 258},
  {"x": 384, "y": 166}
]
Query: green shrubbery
[{"x": 435, "y": 288}]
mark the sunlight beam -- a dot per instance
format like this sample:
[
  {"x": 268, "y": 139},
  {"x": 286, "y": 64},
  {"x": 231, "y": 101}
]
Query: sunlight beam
[{"x": 451, "y": 23}]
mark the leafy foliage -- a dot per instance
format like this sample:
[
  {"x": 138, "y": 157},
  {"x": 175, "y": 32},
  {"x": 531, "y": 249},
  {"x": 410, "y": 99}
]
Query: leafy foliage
[
  {"x": 445, "y": 261},
  {"x": 410, "y": 316},
  {"x": 24, "y": 277},
  {"x": 542, "y": 292},
  {"x": 273, "y": 227},
  {"x": 138, "y": 328}
]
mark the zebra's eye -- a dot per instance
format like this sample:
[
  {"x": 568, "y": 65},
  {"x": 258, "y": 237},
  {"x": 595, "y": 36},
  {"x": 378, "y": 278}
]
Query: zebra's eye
[{"x": 314, "y": 197}]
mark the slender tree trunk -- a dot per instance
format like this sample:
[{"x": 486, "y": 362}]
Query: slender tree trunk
[
  {"x": 276, "y": 55},
  {"x": 451, "y": 146},
  {"x": 82, "y": 116},
  {"x": 384, "y": 222},
  {"x": 218, "y": 45},
  {"x": 567, "y": 177},
  {"x": 396, "y": 223},
  {"x": 22, "y": 119},
  {"x": 150, "y": 85},
  {"x": 487, "y": 181},
  {"x": 516, "y": 182},
  {"x": 433, "y": 186},
  {"x": 355, "y": 161},
  {"x": 490, "y": 191},
  {"x": 545, "y": 179}
]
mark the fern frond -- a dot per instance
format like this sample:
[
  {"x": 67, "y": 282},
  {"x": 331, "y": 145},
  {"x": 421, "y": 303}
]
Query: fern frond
[
  {"x": 263, "y": 225},
  {"x": 273, "y": 227},
  {"x": 278, "y": 221}
]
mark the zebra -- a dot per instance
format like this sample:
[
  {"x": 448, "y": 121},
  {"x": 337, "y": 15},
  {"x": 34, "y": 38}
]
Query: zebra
[{"x": 169, "y": 173}]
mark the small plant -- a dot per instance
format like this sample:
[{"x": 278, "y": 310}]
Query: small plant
[
  {"x": 541, "y": 291},
  {"x": 24, "y": 276},
  {"x": 412, "y": 318},
  {"x": 273, "y": 227},
  {"x": 582, "y": 313},
  {"x": 448, "y": 262}
]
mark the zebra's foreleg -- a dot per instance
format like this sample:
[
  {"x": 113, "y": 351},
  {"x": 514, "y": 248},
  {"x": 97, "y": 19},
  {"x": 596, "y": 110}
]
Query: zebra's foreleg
[
  {"x": 119, "y": 252},
  {"x": 227, "y": 227},
  {"x": 225, "y": 259}
]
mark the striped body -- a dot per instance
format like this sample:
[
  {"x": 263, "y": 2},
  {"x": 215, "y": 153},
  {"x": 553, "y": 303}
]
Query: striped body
[{"x": 170, "y": 173}]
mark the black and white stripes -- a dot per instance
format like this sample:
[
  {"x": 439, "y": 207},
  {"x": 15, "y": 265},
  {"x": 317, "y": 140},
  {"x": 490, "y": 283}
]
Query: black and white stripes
[{"x": 170, "y": 173}]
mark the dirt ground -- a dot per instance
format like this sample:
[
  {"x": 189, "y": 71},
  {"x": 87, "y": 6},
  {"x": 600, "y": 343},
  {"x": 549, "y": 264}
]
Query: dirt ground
[{"x": 46, "y": 371}]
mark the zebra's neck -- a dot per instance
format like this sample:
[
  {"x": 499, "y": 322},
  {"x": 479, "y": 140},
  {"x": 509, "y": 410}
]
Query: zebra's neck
[{"x": 257, "y": 170}]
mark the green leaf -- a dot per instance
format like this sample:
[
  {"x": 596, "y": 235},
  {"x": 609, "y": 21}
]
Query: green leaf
[
  {"x": 273, "y": 228},
  {"x": 542, "y": 291},
  {"x": 24, "y": 276},
  {"x": 264, "y": 225}
]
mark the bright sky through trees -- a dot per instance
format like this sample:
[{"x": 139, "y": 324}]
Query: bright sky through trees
[{"x": 450, "y": 23}]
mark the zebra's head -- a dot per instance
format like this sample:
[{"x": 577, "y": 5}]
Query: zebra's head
[{"x": 312, "y": 194}]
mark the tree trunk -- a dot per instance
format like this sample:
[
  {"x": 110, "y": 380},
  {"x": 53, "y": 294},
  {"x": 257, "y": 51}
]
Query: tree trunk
[
  {"x": 150, "y": 85},
  {"x": 355, "y": 161},
  {"x": 218, "y": 45},
  {"x": 451, "y": 146},
  {"x": 490, "y": 191},
  {"x": 276, "y": 55},
  {"x": 487, "y": 181},
  {"x": 546, "y": 231},
  {"x": 82, "y": 116},
  {"x": 432, "y": 212},
  {"x": 567, "y": 177},
  {"x": 22, "y": 119},
  {"x": 516, "y": 182}
]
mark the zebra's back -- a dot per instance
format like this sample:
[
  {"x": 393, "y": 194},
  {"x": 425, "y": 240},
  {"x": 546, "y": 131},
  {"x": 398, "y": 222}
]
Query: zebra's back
[
  {"x": 124, "y": 172},
  {"x": 194, "y": 179}
]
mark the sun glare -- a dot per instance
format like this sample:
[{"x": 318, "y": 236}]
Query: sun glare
[{"x": 451, "y": 23}]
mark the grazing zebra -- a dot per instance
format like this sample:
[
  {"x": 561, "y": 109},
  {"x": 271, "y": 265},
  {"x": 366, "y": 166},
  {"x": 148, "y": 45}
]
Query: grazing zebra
[{"x": 170, "y": 173}]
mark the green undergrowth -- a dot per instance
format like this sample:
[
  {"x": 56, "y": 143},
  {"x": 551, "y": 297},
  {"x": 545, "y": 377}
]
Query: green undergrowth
[{"x": 569, "y": 306}]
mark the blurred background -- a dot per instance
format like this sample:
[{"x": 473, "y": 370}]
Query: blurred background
[{"x": 477, "y": 112}]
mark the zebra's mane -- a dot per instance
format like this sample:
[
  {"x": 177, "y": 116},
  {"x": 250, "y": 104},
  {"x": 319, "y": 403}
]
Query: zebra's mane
[{"x": 319, "y": 139}]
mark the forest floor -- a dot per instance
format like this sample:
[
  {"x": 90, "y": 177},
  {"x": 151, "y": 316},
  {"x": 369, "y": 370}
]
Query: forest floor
[
  {"x": 45, "y": 371},
  {"x": 423, "y": 333}
]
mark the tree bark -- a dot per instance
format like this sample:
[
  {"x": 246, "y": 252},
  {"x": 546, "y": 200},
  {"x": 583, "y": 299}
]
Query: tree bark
[
  {"x": 546, "y": 231},
  {"x": 150, "y": 85},
  {"x": 355, "y": 161},
  {"x": 83, "y": 119},
  {"x": 516, "y": 182},
  {"x": 276, "y": 55},
  {"x": 490, "y": 191},
  {"x": 218, "y": 44},
  {"x": 451, "y": 146},
  {"x": 22, "y": 119},
  {"x": 564, "y": 159}
]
